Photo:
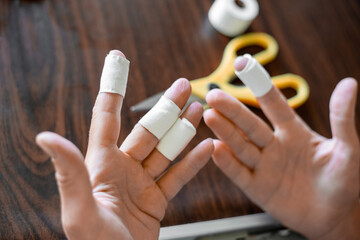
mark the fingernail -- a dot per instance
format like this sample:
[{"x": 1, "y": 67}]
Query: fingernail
[
  {"x": 349, "y": 82},
  {"x": 206, "y": 110},
  {"x": 209, "y": 141},
  {"x": 42, "y": 140},
  {"x": 117, "y": 53},
  {"x": 205, "y": 141},
  {"x": 240, "y": 63},
  {"x": 178, "y": 86}
]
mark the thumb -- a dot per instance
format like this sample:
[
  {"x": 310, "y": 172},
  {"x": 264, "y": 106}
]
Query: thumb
[
  {"x": 71, "y": 176},
  {"x": 342, "y": 111}
]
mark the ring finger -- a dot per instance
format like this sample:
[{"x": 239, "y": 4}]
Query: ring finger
[{"x": 156, "y": 163}]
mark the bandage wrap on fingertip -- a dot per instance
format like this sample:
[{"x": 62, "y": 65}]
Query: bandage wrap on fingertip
[
  {"x": 255, "y": 77},
  {"x": 176, "y": 139},
  {"x": 114, "y": 75},
  {"x": 161, "y": 117}
]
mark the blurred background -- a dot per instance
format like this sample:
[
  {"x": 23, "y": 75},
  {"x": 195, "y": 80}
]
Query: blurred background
[{"x": 51, "y": 58}]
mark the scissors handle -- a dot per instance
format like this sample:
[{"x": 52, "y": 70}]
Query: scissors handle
[
  {"x": 225, "y": 73},
  {"x": 295, "y": 82}
]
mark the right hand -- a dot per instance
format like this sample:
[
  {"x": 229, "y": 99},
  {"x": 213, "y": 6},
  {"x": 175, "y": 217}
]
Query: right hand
[
  {"x": 306, "y": 181},
  {"x": 120, "y": 193}
]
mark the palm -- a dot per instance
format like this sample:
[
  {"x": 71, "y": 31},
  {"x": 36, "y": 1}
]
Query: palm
[
  {"x": 277, "y": 171},
  {"x": 300, "y": 175},
  {"x": 301, "y": 178},
  {"x": 121, "y": 193},
  {"x": 124, "y": 189}
]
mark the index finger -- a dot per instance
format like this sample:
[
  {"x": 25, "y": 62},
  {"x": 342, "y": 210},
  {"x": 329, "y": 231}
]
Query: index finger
[
  {"x": 105, "y": 122},
  {"x": 271, "y": 101}
]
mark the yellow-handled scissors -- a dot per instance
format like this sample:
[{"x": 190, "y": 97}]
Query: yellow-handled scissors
[{"x": 225, "y": 74}]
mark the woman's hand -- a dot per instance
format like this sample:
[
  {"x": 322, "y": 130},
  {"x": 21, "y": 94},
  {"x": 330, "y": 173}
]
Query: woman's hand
[
  {"x": 308, "y": 182},
  {"x": 120, "y": 193}
]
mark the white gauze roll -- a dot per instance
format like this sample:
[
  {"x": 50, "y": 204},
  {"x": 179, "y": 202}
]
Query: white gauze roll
[
  {"x": 115, "y": 74},
  {"x": 161, "y": 117},
  {"x": 255, "y": 77},
  {"x": 230, "y": 19},
  {"x": 176, "y": 139}
]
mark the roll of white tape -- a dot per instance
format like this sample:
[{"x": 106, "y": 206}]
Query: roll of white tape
[
  {"x": 255, "y": 77},
  {"x": 161, "y": 117},
  {"x": 115, "y": 74},
  {"x": 232, "y": 19},
  {"x": 176, "y": 139}
]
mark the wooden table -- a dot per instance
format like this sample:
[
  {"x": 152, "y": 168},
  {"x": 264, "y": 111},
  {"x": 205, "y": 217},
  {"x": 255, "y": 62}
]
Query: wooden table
[{"x": 51, "y": 57}]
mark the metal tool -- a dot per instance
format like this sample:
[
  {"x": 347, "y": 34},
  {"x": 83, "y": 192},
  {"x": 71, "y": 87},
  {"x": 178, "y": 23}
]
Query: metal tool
[
  {"x": 224, "y": 75},
  {"x": 260, "y": 226}
]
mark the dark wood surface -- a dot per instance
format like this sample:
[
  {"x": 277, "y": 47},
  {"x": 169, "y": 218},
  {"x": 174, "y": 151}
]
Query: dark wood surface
[{"x": 51, "y": 57}]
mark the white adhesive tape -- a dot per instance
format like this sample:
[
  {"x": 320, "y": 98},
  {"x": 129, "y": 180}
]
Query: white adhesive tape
[
  {"x": 255, "y": 77},
  {"x": 176, "y": 139},
  {"x": 161, "y": 117},
  {"x": 115, "y": 74},
  {"x": 230, "y": 19}
]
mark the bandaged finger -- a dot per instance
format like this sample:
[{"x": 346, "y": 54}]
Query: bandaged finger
[
  {"x": 176, "y": 139},
  {"x": 255, "y": 77},
  {"x": 115, "y": 74},
  {"x": 161, "y": 117}
]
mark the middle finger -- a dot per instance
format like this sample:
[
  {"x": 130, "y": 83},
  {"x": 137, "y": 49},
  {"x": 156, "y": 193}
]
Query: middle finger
[
  {"x": 231, "y": 135},
  {"x": 254, "y": 127}
]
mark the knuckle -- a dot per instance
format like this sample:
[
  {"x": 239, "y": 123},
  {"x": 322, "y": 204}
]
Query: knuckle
[
  {"x": 181, "y": 179},
  {"x": 252, "y": 127},
  {"x": 235, "y": 113},
  {"x": 230, "y": 134},
  {"x": 66, "y": 179}
]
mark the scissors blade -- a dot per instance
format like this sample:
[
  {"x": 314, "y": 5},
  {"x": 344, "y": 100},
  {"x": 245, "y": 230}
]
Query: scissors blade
[{"x": 148, "y": 103}]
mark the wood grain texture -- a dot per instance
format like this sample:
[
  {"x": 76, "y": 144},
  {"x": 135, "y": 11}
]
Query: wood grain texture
[{"x": 51, "y": 56}]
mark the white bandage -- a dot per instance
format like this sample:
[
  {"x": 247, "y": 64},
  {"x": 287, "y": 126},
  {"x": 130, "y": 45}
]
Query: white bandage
[
  {"x": 115, "y": 74},
  {"x": 161, "y": 117},
  {"x": 176, "y": 139},
  {"x": 255, "y": 77}
]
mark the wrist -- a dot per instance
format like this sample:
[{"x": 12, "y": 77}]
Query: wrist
[{"x": 348, "y": 227}]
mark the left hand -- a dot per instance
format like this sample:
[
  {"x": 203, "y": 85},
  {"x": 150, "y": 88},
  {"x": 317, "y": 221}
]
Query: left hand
[{"x": 117, "y": 193}]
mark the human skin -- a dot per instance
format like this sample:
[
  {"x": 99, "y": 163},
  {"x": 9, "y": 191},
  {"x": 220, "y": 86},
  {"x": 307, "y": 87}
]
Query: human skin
[
  {"x": 306, "y": 181},
  {"x": 117, "y": 192}
]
